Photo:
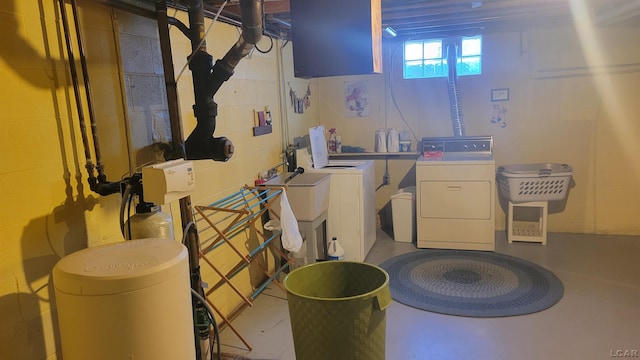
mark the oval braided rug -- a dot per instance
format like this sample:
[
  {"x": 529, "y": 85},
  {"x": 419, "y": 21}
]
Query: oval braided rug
[{"x": 471, "y": 283}]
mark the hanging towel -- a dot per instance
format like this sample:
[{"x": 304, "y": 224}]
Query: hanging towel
[{"x": 291, "y": 238}]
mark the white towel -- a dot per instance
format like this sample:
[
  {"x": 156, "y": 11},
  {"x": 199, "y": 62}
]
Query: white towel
[{"x": 291, "y": 238}]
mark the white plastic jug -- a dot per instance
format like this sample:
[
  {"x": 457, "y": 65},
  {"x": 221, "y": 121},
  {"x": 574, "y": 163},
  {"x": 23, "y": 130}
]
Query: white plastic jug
[
  {"x": 393, "y": 141},
  {"x": 335, "y": 250},
  {"x": 380, "y": 141}
]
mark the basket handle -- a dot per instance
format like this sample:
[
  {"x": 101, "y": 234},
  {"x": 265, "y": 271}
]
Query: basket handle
[
  {"x": 544, "y": 172},
  {"x": 383, "y": 298}
]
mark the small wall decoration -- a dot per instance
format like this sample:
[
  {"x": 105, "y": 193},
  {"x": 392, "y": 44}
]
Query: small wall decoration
[
  {"x": 355, "y": 99},
  {"x": 498, "y": 116},
  {"x": 500, "y": 94},
  {"x": 300, "y": 103}
]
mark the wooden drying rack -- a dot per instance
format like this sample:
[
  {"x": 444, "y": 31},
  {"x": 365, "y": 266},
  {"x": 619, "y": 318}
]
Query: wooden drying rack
[{"x": 229, "y": 217}]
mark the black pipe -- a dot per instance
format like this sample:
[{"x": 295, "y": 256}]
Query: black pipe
[
  {"x": 85, "y": 76},
  {"x": 297, "y": 171},
  {"x": 179, "y": 24},
  {"x": 176, "y": 149},
  {"x": 208, "y": 78},
  {"x": 200, "y": 145},
  {"x": 99, "y": 184},
  {"x": 76, "y": 90},
  {"x": 251, "y": 17}
]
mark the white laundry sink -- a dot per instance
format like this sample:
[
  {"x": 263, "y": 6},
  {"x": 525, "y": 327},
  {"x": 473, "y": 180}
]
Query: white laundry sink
[{"x": 308, "y": 194}]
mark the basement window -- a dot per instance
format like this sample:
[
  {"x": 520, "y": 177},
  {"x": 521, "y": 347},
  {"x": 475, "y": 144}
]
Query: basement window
[{"x": 428, "y": 58}]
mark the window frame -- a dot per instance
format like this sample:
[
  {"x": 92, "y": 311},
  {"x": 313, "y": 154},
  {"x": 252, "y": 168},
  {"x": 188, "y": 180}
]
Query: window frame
[{"x": 437, "y": 67}]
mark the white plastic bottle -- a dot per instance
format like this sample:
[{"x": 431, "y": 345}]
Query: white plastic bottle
[
  {"x": 393, "y": 144},
  {"x": 335, "y": 250}
]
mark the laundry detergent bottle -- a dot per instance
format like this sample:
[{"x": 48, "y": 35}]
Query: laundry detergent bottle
[{"x": 335, "y": 250}]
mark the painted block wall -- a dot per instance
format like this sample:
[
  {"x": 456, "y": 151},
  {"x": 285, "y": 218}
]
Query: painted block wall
[
  {"x": 589, "y": 121},
  {"x": 48, "y": 210}
]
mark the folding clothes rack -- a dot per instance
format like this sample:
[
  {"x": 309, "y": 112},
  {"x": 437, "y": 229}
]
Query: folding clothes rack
[{"x": 229, "y": 217}]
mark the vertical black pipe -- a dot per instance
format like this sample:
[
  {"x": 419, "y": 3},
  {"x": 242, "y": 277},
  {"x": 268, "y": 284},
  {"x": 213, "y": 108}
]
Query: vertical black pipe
[
  {"x": 76, "y": 90},
  {"x": 170, "y": 81},
  {"x": 85, "y": 76},
  {"x": 192, "y": 241}
]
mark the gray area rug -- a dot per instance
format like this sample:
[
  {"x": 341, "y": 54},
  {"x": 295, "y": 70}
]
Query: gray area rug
[{"x": 471, "y": 283}]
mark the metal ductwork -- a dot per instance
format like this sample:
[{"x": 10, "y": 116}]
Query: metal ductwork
[
  {"x": 454, "y": 91},
  {"x": 208, "y": 78}
]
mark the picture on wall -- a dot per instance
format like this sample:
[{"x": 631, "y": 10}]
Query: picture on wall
[{"x": 355, "y": 99}]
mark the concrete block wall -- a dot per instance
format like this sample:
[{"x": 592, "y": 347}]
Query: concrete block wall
[{"x": 47, "y": 208}]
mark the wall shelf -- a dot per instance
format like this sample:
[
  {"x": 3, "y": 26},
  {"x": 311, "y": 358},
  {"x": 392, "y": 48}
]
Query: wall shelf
[{"x": 262, "y": 130}]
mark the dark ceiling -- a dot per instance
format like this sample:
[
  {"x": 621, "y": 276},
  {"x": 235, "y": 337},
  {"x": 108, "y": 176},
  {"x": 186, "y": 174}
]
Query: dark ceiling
[
  {"x": 415, "y": 18},
  {"x": 433, "y": 18}
]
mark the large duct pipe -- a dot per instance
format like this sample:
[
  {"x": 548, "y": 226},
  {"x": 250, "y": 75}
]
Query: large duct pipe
[
  {"x": 251, "y": 17},
  {"x": 208, "y": 78}
]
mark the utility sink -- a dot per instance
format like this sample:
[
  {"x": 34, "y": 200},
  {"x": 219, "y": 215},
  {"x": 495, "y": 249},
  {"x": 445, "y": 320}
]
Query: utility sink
[{"x": 308, "y": 194}]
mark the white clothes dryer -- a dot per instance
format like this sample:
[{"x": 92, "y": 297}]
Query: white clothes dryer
[{"x": 455, "y": 193}]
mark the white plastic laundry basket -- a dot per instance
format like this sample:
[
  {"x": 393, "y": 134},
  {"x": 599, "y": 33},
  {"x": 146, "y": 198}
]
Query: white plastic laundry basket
[{"x": 534, "y": 182}]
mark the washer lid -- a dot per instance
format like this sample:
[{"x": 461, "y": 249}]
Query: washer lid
[
  {"x": 120, "y": 267},
  {"x": 319, "y": 150}
]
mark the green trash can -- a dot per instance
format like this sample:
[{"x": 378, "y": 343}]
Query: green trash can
[{"x": 337, "y": 310}]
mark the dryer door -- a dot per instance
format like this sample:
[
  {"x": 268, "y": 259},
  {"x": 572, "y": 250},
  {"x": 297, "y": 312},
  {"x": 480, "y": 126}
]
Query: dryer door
[{"x": 455, "y": 200}]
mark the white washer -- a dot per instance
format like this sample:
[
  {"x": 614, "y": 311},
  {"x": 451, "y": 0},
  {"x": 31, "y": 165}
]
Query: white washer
[
  {"x": 455, "y": 193},
  {"x": 351, "y": 216}
]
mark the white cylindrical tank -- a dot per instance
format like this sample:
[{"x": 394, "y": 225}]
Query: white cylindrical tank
[
  {"x": 127, "y": 300},
  {"x": 149, "y": 222}
]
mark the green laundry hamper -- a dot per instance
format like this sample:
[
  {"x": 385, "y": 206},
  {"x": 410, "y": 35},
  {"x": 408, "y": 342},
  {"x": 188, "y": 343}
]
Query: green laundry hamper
[{"x": 337, "y": 310}]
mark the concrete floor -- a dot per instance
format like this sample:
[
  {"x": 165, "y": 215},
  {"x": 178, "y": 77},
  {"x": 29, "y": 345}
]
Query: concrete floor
[{"x": 598, "y": 317}]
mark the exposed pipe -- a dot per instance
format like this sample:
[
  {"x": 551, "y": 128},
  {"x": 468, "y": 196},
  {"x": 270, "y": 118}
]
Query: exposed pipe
[
  {"x": 190, "y": 232},
  {"x": 97, "y": 184},
  {"x": 207, "y": 78},
  {"x": 76, "y": 90},
  {"x": 177, "y": 146},
  {"x": 251, "y": 17},
  {"x": 87, "y": 88},
  {"x": 201, "y": 144}
]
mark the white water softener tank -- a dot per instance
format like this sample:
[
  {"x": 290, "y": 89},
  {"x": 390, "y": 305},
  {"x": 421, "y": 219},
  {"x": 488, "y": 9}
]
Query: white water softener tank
[
  {"x": 149, "y": 222},
  {"x": 127, "y": 300}
]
